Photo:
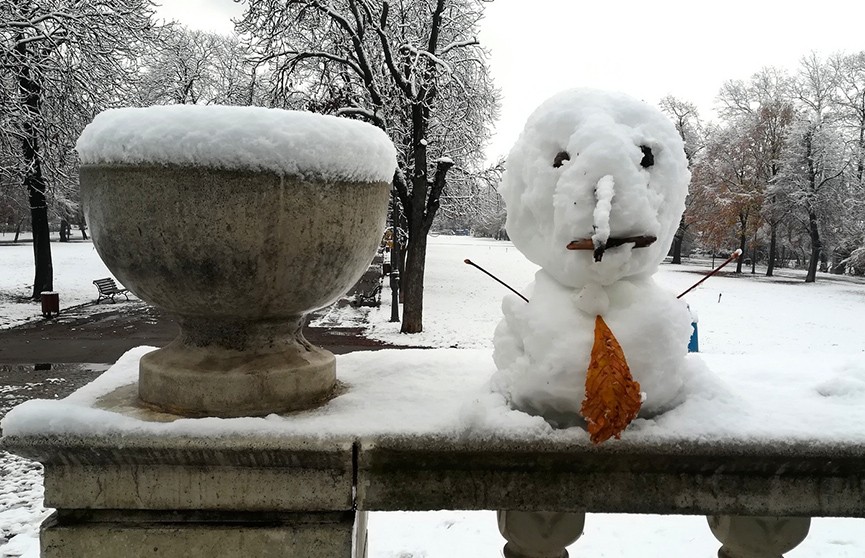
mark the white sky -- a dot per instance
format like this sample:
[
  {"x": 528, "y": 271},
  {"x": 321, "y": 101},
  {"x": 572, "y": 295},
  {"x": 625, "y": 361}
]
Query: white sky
[{"x": 648, "y": 49}]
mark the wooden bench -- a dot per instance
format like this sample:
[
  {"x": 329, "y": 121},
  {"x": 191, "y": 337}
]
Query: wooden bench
[{"x": 108, "y": 290}]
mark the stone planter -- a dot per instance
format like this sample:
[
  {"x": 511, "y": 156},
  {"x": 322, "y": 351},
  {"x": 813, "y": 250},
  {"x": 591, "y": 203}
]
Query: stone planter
[{"x": 238, "y": 256}]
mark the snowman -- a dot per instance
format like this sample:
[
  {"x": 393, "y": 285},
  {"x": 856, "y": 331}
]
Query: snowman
[{"x": 595, "y": 187}]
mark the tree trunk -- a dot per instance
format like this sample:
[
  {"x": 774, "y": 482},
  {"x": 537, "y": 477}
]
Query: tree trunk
[
  {"x": 419, "y": 212},
  {"x": 17, "y": 232},
  {"x": 412, "y": 285},
  {"x": 773, "y": 244},
  {"x": 34, "y": 181},
  {"x": 742, "y": 242},
  {"x": 396, "y": 261},
  {"x": 43, "y": 279},
  {"x": 814, "y": 233},
  {"x": 677, "y": 242},
  {"x": 754, "y": 258}
]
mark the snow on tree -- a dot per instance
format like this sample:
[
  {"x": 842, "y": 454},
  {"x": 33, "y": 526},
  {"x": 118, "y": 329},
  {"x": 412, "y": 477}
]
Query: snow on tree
[
  {"x": 686, "y": 118},
  {"x": 472, "y": 202},
  {"x": 413, "y": 68},
  {"x": 62, "y": 61},
  {"x": 850, "y": 120},
  {"x": 810, "y": 184},
  {"x": 811, "y": 181},
  {"x": 195, "y": 67},
  {"x": 764, "y": 105},
  {"x": 728, "y": 170},
  {"x": 781, "y": 166}
]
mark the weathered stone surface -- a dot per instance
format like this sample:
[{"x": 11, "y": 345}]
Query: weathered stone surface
[
  {"x": 185, "y": 473},
  {"x": 206, "y": 242},
  {"x": 758, "y": 537},
  {"x": 429, "y": 472},
  {"x": 295, "y": 536},
  {"x": 238, "y": 257},
  {"x": 289, "y": 375}
]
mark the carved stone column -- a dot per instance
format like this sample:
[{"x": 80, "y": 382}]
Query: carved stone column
[
  {"x": 758, "y": 537},
  {"x": 539, "y": 534}
]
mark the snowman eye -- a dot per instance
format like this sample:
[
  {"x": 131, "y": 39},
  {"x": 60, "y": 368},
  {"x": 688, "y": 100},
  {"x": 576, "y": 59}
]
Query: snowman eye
[
  {"x": 648, "y": 158},
  {"x": 560, "y": 159}
]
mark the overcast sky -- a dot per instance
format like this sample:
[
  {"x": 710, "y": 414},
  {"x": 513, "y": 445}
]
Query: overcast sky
[{"x": 648, "y": 49}]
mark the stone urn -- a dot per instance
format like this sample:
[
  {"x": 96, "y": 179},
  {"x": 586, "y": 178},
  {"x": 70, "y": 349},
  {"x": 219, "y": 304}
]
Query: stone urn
[{"x": 237, "y": 221}]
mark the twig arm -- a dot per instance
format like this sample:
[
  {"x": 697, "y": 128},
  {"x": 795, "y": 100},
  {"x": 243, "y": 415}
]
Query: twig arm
[
  {"x": 471, "y": 263},
  {"x": 733, "y": 257}
]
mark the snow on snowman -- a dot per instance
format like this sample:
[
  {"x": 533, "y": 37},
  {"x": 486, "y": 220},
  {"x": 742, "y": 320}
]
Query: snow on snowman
[{"x": 595, "y": 188}]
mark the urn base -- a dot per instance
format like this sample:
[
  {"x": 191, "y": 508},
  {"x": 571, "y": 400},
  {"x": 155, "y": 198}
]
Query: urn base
[{"x": 213, "y": 380}]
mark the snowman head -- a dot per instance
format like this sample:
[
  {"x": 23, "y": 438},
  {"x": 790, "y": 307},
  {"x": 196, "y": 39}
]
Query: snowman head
[{"x": 601, "y": 171}]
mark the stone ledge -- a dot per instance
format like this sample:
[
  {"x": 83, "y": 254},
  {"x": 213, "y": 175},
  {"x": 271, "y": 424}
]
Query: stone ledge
[
  {"x": 188, "y": 473},
  {"x": 428, "y": 472}
]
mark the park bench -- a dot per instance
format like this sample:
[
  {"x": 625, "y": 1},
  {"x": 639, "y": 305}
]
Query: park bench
[
  {"x": 371, "y": 297},
  {"x": 108, "y": 290}
]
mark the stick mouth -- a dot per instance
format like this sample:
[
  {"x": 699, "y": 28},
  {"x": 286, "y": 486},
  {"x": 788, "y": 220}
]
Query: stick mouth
[{"x": 589, "y": 244}]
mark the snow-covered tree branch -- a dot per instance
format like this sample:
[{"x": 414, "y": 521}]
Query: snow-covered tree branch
[{"x": 414, "y": 68}]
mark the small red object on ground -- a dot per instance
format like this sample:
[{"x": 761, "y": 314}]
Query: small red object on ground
[{"x": 50, "y": 304}]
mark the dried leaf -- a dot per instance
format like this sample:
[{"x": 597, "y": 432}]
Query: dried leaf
[{"x": 612, "y": 395}]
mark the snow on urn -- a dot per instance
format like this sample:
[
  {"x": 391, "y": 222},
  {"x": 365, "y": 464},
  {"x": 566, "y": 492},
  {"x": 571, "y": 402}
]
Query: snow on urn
[
  {"x": 237, "y": 221},
  {"x": 594, "y": 187}
]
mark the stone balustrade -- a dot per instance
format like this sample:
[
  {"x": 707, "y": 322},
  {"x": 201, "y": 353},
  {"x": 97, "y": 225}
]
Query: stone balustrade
[
  {"x": 131, "y": 481},
  {"x": 758, "y": 499},
  {"x": 271, "y": 495}
]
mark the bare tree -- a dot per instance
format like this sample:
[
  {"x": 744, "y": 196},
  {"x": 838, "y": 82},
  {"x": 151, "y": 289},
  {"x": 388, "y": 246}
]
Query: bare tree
[
  {"x": 195, "y": 67},
  {"x": 414, "y": 68},
  {"x": 809, "y": 184},
  {"x": 850, "y": 100},
  {"x": 728, "y": 169},
  {"x": 785, "y": 164},
  {"x": 687, "y": 121},
  {"x": 62, "y": 60},
  {"x": 849, "y": 70},
  {"x": 764, "y": 106},
  {"x": 812, "y": 182},
  {"x": 472, "y": 202}
]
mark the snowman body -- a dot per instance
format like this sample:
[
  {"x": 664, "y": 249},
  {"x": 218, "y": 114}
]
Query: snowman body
[{"x": 592, "y": 168}]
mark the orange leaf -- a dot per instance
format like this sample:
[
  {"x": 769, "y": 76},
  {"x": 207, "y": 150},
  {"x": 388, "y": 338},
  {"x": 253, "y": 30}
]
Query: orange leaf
[{"x": 612, "y": 396}]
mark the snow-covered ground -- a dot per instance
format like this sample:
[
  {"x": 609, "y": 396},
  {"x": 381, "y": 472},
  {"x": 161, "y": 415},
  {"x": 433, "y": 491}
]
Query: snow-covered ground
[
  {"x": 768, "y": 319},
  {"x": 737, "y": 315},
  {"x": 76, "y": 265}
]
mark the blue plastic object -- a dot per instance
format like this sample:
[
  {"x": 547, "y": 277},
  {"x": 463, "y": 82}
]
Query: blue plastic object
[{"x": 694, "y": 342}]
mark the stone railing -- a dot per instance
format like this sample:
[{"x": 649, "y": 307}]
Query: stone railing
[
  {"x": 272, "y": 495},
  {"x": 758, "y": 499}
]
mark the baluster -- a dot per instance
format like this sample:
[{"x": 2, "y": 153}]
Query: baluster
[
  {"x": 758, "y": 537},
  {"x": 539, "y": 534},
  {"x": 361, "y": 534}
]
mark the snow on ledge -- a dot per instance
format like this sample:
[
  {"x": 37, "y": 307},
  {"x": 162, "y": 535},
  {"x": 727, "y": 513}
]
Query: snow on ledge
[
  {"x": 445, "y": 392},
  {"x": 250, "y": 138}
]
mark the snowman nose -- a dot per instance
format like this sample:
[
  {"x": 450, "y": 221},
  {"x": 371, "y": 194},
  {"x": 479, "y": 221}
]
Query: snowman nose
[{"x": 604, "y": 192}]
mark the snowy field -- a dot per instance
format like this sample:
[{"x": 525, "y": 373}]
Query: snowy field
[
  {"x": 76, "y": 265},
  {"x": 768, "y": 319}
]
